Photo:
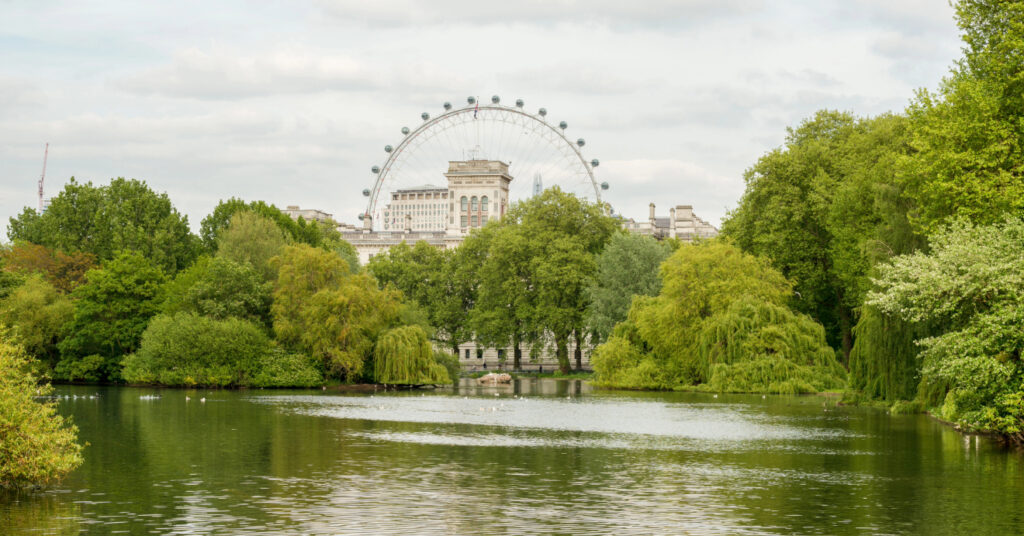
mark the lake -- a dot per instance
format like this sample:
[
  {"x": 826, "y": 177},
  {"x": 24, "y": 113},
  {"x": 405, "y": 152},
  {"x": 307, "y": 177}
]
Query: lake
[{"x": 540, "y": 456}]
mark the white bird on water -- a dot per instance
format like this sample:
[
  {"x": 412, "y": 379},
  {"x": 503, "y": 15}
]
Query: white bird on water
[{"x": 203, "y": 399}]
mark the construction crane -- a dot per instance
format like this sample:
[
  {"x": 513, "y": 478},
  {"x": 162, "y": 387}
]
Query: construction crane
[{"x": 42, "y": 177}]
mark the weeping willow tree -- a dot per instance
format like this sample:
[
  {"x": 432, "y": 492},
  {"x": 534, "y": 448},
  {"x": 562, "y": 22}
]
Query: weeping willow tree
[
  {"x": 883, "y": 362},
  {"x": 403, "y": 355},
  {"x": 756, "y": 346},
  {"x": 721, "y": 322}
]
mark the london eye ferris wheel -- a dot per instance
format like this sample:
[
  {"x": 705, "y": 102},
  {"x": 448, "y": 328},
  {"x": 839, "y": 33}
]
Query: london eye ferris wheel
[{"x": 538, "y": 153}]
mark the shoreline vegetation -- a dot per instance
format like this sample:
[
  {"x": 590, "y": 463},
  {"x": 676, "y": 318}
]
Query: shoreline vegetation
[{"x": 876, "y": 256}]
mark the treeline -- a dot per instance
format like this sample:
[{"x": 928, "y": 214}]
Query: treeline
[
  {"x": 110, "y": 285},
  {"x": 902, "y": 233}
]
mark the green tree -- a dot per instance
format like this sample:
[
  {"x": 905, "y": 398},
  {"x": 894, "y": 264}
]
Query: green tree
[
  {"x": 220, "y": 289},
  {"x": 539, "y": 263},
  {"x": 106, "y": 220},
  {"x": 112, "y": 310},
  {"x": 299, "y": 231},
  {"x": 322, "y": 309},
  {"x": 429, "y": 277},
  {"x": 968, "y": 138},
  {"x": 627, "y": 267},
  {"x": 783, "y": 216},
  {"x": 37, "y": 446},
  {"x": 403, "y": 355},
  {"x": 187, "y": 349},
  {"x": 969, "y": 285},
  {"x": 36, "y": 314},
  {"x": 721, "y": 319},
  {"x": 251, "y": 239}
]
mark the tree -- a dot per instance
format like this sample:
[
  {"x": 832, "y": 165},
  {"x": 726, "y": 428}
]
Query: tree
[
  {"x": 36, "y": 314},
  {"x": 106, "y": 220},
  {"x": 64, "y": 271},
  {"x": 968, "y": 138},
  {"x": 627, "y": 267},
  {"x": 220, "y": 289},
  {"x": 187, "y": 349},
  {"x": 299, "y": 231},
  {"x": 429, "y": 277},
  {"x": 533, "y": 279},
  {"x": 969, "y": 286},
  {"x": 112, "y": 310},
  {"x": 251, "y": 239},
  {"x": 38, "y": 446},
  {"x": 783, "y": 216},
  {"x": 403, "y": 355},
  {"x": 322, "y": 309},
  {"x": 721, "y": 319}
]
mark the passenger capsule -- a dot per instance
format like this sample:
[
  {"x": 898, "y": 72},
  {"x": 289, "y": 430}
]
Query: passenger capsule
[
  {"x": 604, "y": 185},
  {"x": 581, "y": 142},
  {"x": 519, "y": 103},
  {"x": 388, "y": 148},
  {"x": 495, "y": 99},
  {"x": 471, "y": 100},
  {"x": 447, "y": 106},
  {"x": 405, "y": 130},
  {"x": 595, "y": 162},
  {"x": 375, "y": 169},
  {"x": 425, "y": 116},
  {"x": 542, "y": 112},
  {"x": 563, "y": 125},
  {"x": 366, "y": 192}
]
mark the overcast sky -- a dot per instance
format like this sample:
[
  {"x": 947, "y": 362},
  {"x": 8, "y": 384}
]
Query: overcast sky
[{"x": 291, "y": 101}]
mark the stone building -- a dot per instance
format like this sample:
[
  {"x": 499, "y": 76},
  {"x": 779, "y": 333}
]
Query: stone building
[
  {"x": 308, "y": 214},
  {"x": 681, "y": 223},
  {"x": 420, "y": 209}
]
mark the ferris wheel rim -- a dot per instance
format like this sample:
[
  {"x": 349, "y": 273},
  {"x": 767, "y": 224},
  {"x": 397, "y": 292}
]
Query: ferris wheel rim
[{"x": 382, "y": 171}]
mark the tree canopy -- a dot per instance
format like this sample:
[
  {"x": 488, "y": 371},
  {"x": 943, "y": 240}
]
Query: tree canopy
[{"x": 125, "y": 215}]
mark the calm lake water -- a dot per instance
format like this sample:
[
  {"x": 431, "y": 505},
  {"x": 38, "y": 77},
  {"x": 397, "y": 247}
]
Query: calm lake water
[{"x": 538, "y": 457}]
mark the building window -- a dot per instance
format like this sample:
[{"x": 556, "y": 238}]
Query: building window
[
  {"x": 479, "y": 353},
  {"x": 465, "y": 204},
  {"x": 483, "y": 203},
  {"x": 475, "y": 224},
  {"x": 467, "y": 353},
  {"x": 463, "y": 218},
  {"x": 472, "y": 204},
  {"x": 501, "y": 353}
]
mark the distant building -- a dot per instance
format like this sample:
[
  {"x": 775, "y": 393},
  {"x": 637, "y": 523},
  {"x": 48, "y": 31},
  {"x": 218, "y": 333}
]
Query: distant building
[
  {"x": 308, "y": 214},
  {"x": 477, "y": 192},
  {"x": 681, "y": 223},
  {"x": 424, "y": 208}
]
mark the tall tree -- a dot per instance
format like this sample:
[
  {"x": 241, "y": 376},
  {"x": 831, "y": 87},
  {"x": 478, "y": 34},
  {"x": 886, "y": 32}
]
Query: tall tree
[
  {"x": 36, "y": 314},
  {"x": 220, "y": 289},
  {"x": 968, "y": 138},
  {"x": 112, "y": 310},
  {"x": 125, "y": 215},
  {"x": 627, "y": 267},
  {"x": 300, "y": 231},
  {"x": 64, "y": 271},
  {"x": 252, "y": 240},
  {"x": 322, "y": 309}
]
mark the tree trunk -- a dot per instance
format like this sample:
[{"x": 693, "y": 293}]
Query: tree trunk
[
  {"x": 579, "y": 351},
  {"x": 845, "y": 328},
  {"x": 517, "y": 353},
  {"x": 562, "y": 353}
]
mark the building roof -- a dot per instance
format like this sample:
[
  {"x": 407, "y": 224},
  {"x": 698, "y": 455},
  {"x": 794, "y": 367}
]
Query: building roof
[{"x": 425, "y": 187}]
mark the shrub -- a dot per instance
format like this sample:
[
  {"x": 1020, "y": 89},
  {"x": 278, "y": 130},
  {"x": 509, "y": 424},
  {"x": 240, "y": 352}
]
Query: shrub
[
  {"x": 281, "y": 369},
  {"x": 188, "y": 349},
  {"x": 37, "y": 446}
]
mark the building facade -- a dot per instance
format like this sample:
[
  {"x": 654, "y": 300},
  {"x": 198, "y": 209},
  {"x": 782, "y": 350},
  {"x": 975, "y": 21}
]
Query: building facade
[
  {"x": 308, "y": 214},
  {"x": 420, "y": 209},
  {"x": 681, "y": 224}
]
